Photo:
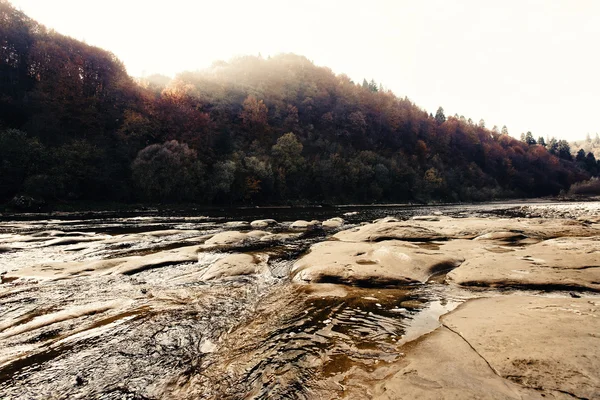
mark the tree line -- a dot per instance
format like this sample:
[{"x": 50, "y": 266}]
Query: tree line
[{"x": 75, "y": 126}]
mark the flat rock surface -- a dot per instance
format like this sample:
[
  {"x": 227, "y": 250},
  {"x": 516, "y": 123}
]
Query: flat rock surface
[
  {"x": 235, "y": 265},
  {"x": 466, "y": 228},
  {"x": 388, "y": 231},
  {"x": 121, "y": 265},
  {"x": 552, "y": 344},
  {"x": 504, "y": 347},
  {"x": 564, "y": 262},
  {"x": 442, "y": 366},
  {"x": 370, "y": 264}
]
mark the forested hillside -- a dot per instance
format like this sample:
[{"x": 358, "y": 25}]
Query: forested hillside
[{"x": 75, "y": 126}]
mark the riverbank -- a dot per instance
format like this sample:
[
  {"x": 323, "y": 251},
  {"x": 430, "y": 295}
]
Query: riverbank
[{"x": 479, "y": 301}]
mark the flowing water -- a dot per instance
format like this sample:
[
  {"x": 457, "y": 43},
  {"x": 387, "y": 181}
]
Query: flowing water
[{"x": 160, "y": 331}]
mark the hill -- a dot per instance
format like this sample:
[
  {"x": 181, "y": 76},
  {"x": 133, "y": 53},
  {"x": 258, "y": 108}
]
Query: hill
[{"x": 75, "y": 126}]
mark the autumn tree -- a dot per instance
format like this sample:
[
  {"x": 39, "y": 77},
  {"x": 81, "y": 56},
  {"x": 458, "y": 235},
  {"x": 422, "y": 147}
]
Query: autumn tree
[{"x": 254, "y": 116}]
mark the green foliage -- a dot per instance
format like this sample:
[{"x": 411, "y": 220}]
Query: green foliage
[
  {"x": 440, "y": 118},
  {"x": 529, "y": 139},
  {"x": 20, "y": 156},
  {"x": 541, "y": 141},
  {"x": 168, "y": 172}
]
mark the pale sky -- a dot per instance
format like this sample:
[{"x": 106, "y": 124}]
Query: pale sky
[{"x": 528, "y": 64}]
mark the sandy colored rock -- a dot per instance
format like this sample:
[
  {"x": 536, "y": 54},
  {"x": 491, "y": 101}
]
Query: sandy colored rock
[
  {"x": 278, "y": 237},
  {"x": 552, "y": 344},
  {"x": 236, "y": 224},
  {"x": 539, "y": 228},
  {"x": 262, "y": 223},
  {"x": 509, "y": 347},
  {"x": 333, "y": 223},
  {"x": 387, "y": 231},
  {"x": 227, "y": 238},
  {"x": 257, "y": 234},
  {"x": 465, "y": 228},
  {"x": 441, "y": 366},
  {"x": 563, "y": 262},
  {"x": 66, "y": 240},
  {"x": 121, "y": 265},
  {"x": 385, "y": 263},
  {"x": 385, "y": 220},
  {"x": 302, "y": 224},
  {"x": 502, "y": 235},
  {"x": 235, "y": 265},
  {"x": 170, "y": 232}
]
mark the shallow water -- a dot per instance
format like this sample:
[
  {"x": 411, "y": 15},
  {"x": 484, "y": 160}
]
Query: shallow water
[{"x": 162, "y": 332}]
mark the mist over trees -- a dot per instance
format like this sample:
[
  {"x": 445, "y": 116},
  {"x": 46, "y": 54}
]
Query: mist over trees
[{"x": 75, "y": 126}]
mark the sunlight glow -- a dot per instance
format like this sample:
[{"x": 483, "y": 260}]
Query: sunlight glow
[{"x": 528, "y": 64}]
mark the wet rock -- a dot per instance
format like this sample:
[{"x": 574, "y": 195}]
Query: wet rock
[
  {"x": 236, "y": 224},
  {"x": 412, "y": 304},
  {"x": 385, "y": 220},
  {"x": 567, "y": 262},
  {"x": 12, "y": 327},
  {"x": 257, "y": 234},
  {"x": 539, "y": 228},
  {"x": 502, "y": 236},
  {"x": 67, "y": 240},
  {"x": 54, "y": 233},
  {"x": 302, "y": 224},
  {"x": 386, "y": 230},
  {"x": 113, "y": 266},
  {"x": 169, "y": 232},
  {"x": 465, "y": 228},
  {"x": 227, "y": 238},
  {"x": 262, "y": 223},
  {"x": 550, "y": 344},
  {"x": 208, "y": 347},
  {"x": 279, "y": 237},
  {"x": 425, "y": 218},
  {"x": 509, "y": 347},
  {"x": 235, "y": 265},
  {"x": 366, "y": 264},
  {"x": 441, "y": 366},
  {"x": 333, "y": 223}
]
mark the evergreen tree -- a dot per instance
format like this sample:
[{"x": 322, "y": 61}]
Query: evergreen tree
[
  {"x": 564, "y": 150},
  {"x": 529, "y": 138},
  {"x": 541, "y": 141},
  {"x": 440, "y": 118}
]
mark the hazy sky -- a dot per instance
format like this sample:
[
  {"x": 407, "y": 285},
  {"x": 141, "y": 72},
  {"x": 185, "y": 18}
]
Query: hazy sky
[{"x": 530, "y": 65}]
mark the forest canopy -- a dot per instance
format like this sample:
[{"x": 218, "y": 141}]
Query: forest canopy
[{"x": 75, "y": 126}]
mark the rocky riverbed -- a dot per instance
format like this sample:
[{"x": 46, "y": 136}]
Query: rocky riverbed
[{"x": 490, "y": 301}]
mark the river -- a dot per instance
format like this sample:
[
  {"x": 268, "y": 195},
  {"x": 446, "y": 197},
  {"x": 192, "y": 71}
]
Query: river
[{"x": 162, "y": 330}]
